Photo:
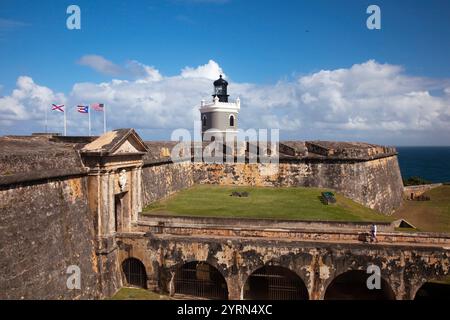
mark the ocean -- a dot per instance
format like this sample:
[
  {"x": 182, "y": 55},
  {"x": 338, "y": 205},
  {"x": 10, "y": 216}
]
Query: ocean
[{"x": 430, "y": 163}]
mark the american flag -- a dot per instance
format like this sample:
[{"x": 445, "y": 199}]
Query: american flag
[
  {"x": 83, "y": 109},
  {"x": 98, "y": 106}
]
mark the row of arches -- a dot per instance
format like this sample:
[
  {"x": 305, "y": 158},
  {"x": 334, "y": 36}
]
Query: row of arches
[{"x": 201, "y": 279}]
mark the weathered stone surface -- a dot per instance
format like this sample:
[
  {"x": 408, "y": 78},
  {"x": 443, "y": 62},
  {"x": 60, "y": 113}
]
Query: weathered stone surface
[
  {"x": 37, "y": 153},
  {"x": 228, "y": 222},
  {"x": 348, "y": 150},
  {"x": 51, "y": 218},
  {"x": 404, "y": 268},
  {"x": 45, "y": 228},
  {"x": 294, "y": 230},
  {"x": 116, "y": 142},
  {"x": 411, "y": 192},
  {"x": 160, "y": 181}
]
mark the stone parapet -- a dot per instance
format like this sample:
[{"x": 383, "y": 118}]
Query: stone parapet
[{"x": 301, "y": 231}]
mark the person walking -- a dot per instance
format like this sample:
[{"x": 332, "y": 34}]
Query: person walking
[{"x": 373, "y": 233}]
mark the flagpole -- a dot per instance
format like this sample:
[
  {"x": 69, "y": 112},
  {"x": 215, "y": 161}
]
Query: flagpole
[
  {"x": 65, "y": 122},
  {"x": 45, "y": 119},
  {"x": 89, "y": 115},
  {"x": 104, "y": 118}
]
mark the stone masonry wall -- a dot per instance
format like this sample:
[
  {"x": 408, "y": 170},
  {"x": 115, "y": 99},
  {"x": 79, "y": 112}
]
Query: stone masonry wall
[
  {"x": 162, "y": 180},
  {"x": 411, "y": 192},
  {"x": 404, "y": 268},
  {"x": 376, "y": 184},
  {"x": 46, "y": 227}
]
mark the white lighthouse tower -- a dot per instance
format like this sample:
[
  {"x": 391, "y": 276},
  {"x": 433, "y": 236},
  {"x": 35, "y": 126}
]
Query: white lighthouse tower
[{"x": 220, "y": 116}]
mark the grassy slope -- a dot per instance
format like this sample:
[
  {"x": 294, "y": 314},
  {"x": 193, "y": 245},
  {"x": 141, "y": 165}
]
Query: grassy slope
[
  {"x": 431, "y": 215},
  {"x": 137, "y": 294},
  {"x": 280, "y": 203}
]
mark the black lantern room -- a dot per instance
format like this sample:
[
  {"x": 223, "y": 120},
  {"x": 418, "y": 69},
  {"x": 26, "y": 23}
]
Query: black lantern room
[{"x": 220, "y": 89}]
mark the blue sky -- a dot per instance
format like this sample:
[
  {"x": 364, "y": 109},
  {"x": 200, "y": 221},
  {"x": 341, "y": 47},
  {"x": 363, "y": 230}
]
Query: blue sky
[{"x": 259, "y": 42}]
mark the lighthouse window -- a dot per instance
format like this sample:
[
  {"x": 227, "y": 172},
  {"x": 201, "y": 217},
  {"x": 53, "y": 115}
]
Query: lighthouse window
[
  {"x": 231, "y": 121},
  {"x": 204, "y": 121},
  {"x": 219, "y": 90}
]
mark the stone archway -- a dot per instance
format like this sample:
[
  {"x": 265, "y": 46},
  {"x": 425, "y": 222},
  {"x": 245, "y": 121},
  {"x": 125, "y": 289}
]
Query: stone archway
[
  {"x": 275, "y": 283},
  {"x": 135, "y": 274},
  {"x": 351, "y": 285},
  {"x": 200, "y": 279},
  {"x": 433, "y": 291}
]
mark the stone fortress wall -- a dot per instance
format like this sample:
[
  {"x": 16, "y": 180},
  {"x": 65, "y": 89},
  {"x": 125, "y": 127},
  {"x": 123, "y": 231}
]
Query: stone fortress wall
[
  {"x": 367, "y": 174},
  {"x": 317, "y": 263},
  {"x": 375, "y": 183},
  {"x": 46, "y": 223}
]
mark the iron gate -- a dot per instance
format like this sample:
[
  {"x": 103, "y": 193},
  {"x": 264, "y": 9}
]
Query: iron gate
[
  {"x": 275, "y": 283},
  {"x": 135, "y": 274},
  {"x": 200, "y": 279}
]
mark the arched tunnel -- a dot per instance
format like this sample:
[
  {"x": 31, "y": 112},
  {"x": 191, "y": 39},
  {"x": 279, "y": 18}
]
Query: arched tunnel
[
  {"x": 351, "y": 285},
  {"x": 200, "y": 279},
  {"x": 433, "y": 290},
  {"x": 275, "y": 283}
]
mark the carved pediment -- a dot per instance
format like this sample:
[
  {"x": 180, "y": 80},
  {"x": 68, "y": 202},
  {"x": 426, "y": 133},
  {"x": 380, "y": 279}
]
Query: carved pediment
[
  {"x": 117, "y": 142},
  {"x": 129, "y": 146}
]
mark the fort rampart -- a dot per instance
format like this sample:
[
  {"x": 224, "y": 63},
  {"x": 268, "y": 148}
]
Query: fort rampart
[{"x": 56, "y": 204}]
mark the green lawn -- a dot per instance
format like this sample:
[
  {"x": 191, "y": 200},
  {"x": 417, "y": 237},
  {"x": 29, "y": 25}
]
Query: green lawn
[
  {"x": 137, "y": 294},
  {"x": 445, "y": 281},
  {"x": 263, "y": 202},
  {"x": 433, "y": 215}
]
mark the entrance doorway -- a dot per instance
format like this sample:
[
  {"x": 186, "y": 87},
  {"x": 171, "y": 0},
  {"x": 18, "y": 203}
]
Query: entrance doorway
[
  {"x": 118, "y": 212},
  {"x": 121, "y": 211}
]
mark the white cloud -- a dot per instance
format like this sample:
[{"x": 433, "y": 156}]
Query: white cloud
[
  {"x": 211, "y": 71},
  {"x": 307, "y": 98},
  {"x": 133, "y": 69},
  {"x": 143, "y": 72},
  {"x": 25, "y": 107},
  {"x": 370, "y": 101},
  {"x": 28, "y": 100},
  {"x": 99, "y": 64}
]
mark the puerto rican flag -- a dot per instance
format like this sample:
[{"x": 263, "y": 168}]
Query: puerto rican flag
[{"x": 83, "y": 109}]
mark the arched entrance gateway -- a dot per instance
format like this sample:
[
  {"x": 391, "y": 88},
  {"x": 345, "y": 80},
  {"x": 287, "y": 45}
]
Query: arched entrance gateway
[
  {"x": 200, "y": 279},
  {"x": 134, "y": 271},
  {"x": 275, "y": 283},
  {"x": 351, "y": 285}
]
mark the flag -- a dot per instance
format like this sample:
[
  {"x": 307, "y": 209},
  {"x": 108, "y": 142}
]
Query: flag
[
  {"x": 58, "y": 107},
  {"x": 98, "y": 106},
  {"x": 83, "y": 109}
]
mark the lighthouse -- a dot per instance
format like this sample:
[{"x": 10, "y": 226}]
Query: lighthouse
[{"x": 219, "y": 115}]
